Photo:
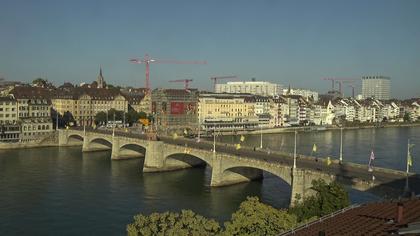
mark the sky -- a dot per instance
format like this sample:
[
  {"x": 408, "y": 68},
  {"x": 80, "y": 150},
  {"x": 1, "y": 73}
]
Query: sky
[{"x": 287, "y": 42}]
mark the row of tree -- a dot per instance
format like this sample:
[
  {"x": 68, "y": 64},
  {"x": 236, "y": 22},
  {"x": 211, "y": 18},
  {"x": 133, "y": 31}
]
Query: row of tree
[
  {"x": 130, "y": 117},
  {"x": 252, "y": 217},
  {"x": 101, "y": 118}
]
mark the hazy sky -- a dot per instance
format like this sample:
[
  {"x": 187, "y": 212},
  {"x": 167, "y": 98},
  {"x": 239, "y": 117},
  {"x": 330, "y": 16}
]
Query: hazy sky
[{"x": 296, "y": 42}]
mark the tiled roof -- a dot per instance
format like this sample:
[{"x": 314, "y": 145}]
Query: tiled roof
[
  {"x": 94, "y": 93},
  {"x": 368, "y": 219},
  {"x": 23, "y": 92}
]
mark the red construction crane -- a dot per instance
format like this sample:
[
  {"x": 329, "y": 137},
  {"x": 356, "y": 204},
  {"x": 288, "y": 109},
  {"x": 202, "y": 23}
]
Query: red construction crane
[
  {"x": 185, "y": 81},
  {"x": 147, "y": 60},
  {"x": 221, "y": 77}
]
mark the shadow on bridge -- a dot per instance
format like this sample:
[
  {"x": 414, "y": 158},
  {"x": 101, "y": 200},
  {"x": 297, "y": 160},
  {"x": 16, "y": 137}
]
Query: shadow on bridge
[
  {"x": 404, "y": 187},
  {"x": 183, "y": 160},
  {"x": 75, "y": 139},
  {"x": 131, "y": 150}
]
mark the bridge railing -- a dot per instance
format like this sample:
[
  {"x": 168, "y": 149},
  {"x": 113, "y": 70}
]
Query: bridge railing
[{"x": 292, "y": 231}]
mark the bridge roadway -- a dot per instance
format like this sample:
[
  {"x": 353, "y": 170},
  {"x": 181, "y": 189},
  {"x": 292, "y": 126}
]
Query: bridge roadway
[{"x": 387, "y": 182}]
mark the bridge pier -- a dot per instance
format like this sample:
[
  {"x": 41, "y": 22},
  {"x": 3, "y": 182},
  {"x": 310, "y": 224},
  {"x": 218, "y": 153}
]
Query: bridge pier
[
  {"x": 302, "y": 183},
  {"x": 154, "y": 160},
  {"x": 115, "y": 153}
]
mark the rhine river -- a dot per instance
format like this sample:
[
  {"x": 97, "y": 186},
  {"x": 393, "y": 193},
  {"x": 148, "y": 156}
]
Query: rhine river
[{"x": 62, "y": 191}]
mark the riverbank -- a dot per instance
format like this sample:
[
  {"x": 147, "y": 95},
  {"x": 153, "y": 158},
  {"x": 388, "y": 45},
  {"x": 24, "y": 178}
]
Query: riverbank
[{"x": 47, "y": 141}]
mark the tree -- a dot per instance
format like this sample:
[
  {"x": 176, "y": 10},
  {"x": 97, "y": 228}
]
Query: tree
[
  {"x": 132, "y": 116},
  {"x": 119, "y": 115},
  {"x": 328, "y": 198},
  {"x": 100, "y": 118},
  {"x": 168, "y": 223},
  {"x": 68, "y": 118},
  {"x": 407, "y": 117},
  {"x": 143, "y": 115},
  {"x": 256, "y": 218},
  {"x": 40, "y": 82}
]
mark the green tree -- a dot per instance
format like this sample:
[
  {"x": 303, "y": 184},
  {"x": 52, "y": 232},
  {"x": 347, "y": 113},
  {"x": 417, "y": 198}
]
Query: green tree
[
  {"x": 100, "y": 118},
  {"x": 68, "y": 118},
  {"x": 256, "y": 218},
  {"x": 168, "y": 223},
  {"x": 132, "y": 116},
  {"x": 119, "y": 115},
  {"x": 328, "y": 198},
  {"x": 407, "y": 117},
  {"x": 142, "y": 115}
]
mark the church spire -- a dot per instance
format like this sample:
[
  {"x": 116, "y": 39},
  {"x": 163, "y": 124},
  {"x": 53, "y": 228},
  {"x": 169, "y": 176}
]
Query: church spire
[{"x": 100, "y": 80}]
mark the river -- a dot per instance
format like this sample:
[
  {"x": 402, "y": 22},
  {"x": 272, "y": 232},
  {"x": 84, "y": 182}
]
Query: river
[{"x": 62, "y": 191}]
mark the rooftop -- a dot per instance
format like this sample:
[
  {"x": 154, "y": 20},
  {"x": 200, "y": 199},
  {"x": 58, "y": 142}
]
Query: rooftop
[{"x": 382, "y": 218}]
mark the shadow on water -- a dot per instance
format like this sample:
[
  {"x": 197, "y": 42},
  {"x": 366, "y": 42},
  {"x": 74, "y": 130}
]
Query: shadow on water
[{"x": 403, "y": 187}]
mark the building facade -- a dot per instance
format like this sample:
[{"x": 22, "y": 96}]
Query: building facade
[
  {"x": 378, "y": 87},
  {"x": 9, "y": 127},
  {"x": 175, "y": 109},
  {"x": 33, "y": 111},
  {"x": 261, "y": 88},
  {"x": 85, "y": 103},
  {"x": 227, "y": 111}
]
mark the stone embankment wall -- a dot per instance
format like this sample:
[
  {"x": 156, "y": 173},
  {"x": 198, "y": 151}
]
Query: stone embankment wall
[{"x": 46, "y": 141}]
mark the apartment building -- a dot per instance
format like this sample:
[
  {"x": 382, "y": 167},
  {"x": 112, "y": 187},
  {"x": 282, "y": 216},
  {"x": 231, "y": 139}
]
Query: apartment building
[{"x": 84, "y": 103}]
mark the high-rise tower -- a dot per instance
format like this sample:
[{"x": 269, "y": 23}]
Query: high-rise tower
[{"x": 378, "y": 87}]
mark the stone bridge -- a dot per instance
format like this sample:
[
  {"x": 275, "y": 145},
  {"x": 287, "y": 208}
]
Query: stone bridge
[{"x": 228, "y": 165}]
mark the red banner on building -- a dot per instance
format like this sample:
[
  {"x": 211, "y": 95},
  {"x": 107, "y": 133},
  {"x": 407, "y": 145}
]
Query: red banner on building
[{"x": 177, "y": 108}]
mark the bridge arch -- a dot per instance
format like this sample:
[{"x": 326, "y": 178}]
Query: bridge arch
[
  {"x": 185, "y": 160},
  {"x": 244, "y": 172},
  {"x": 75, "y": 138},
  {"x": 132, "y": 150},
  {"x": 99, "y": 143}
]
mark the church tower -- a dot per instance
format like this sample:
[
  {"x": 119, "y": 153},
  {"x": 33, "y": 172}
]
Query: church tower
[{"x": 100, "y": 80}]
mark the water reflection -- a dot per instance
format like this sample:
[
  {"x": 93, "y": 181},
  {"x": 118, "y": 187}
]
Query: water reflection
[{"x": 56, "y": 190}]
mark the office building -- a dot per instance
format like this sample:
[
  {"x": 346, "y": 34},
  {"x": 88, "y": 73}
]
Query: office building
[{"x": 378, "y": 87}]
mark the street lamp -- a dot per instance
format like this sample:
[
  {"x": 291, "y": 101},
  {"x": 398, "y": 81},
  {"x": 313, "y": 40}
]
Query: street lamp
[
  {"x": 113, "y": 126},
  {"x": 56, "y": 119},
  {"x": 341, "y": 144},
  {"x": 294, "y": 154},
  {"x": 214, "y": 140},
  {"x": 261, "y": 145}
]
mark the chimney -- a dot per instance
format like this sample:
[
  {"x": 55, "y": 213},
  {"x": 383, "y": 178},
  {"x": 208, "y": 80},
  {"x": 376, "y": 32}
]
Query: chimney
[{"x": 400, "y": 212}]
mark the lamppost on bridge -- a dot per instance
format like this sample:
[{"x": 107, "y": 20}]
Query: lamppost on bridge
[
  {"x": 214, "y": 140},
  {"x": 341, "y": 145},
  {"x": 56, "y": 119},
  {"x": 294, "y": 153},
  {"x": 261, "y": 142},
  {"x": 113, "y": 126},
  {"x": 84, "y": 126}
]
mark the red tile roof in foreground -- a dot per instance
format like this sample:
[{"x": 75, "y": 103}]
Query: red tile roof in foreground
[{"x": 367, "y": 219}]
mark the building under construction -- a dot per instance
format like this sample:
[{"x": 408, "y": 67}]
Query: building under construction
[{"x": 175, "y": 109}]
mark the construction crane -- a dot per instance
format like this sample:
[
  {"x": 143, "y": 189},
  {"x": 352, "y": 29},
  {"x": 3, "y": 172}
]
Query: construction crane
[
  {"x": 185, "y": 81},
  {"x": 215, "y": 79},
  {"x": 352, "y": 90},
  {"x": 332, "y": 82},
  {"x": 147, "y": 60},
  {"x": 340, "y": 82}
]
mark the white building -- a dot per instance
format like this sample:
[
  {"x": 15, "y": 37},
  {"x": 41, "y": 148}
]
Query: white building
[
  {"x": 261, "y": 88},
  {"x": 378, "y": 87},
  {"x": 307, "y": 94}
]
